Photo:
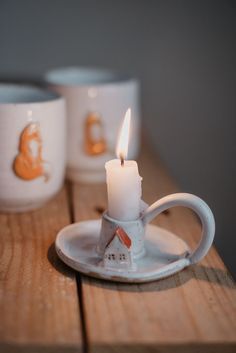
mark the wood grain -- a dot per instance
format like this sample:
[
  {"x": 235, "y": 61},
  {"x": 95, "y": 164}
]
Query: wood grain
[
  {"x": 42, "y": 309},
  {"x": 38, "y": 294},
  {"x": 192, "y": 311}
]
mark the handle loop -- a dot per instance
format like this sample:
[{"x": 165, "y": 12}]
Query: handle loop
[{"x": 199, "y": 207}]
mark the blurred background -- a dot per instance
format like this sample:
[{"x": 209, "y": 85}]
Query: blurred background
[{"x": 184, "y": 53}]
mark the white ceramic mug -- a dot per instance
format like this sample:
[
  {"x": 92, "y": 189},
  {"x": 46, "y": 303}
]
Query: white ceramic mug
[
  {"x": 32, "y": 145},
  {"x": 96, "y": 104}
]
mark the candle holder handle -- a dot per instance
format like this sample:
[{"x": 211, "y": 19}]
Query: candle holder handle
[{"x": 199, "y": 207}]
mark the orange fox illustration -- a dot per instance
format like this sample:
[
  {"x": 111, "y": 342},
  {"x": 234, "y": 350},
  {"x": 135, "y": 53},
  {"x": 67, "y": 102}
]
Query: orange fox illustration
[
  {"x": 29, "y": 164},
  {"x": 94, "y": 145}
]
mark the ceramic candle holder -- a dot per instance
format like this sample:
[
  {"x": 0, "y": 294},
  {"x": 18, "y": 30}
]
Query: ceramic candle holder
[
  {"x": 135, "y": 229},
  {"x": 134, "y": 251}
]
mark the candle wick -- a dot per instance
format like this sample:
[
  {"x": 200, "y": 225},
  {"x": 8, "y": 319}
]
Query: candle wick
[{"x": 122, "y": 161}]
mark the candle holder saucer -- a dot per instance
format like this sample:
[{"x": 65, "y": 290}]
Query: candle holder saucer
[
  {"x": 134, "y": 251},
  {"x": 165, "y": 253}
]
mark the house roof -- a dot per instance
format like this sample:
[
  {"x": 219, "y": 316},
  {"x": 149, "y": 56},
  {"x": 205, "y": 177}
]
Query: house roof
[{"x": 123, "y": 237}]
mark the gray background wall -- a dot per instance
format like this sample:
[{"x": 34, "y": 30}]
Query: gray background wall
[{"x": 183, "y": 52}]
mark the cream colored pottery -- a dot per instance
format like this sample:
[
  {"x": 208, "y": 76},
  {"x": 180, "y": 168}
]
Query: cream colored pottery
[
  {"x": 32, "y": 145},
  {"x": 96, "y": 104},
  {"x": 152, "y": 252}
]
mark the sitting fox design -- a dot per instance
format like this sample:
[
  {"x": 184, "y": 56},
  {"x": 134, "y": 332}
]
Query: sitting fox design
[{"x": 28, "y": 164}]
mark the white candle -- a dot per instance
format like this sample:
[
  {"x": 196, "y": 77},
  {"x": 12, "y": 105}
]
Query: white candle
[{"x": 123, "y": 181}]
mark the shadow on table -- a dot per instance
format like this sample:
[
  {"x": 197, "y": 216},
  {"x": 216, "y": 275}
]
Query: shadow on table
[
  {"x": 31, "y": 347},
  {"x": 57, "y": 263},
  {"x": 193, "y": 347},
  {"x": 199, "y": 272}
]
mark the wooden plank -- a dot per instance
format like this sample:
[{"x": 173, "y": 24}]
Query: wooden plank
[
  {"x": 194, "y": 309},
  {"x": 39, "y": 309}
]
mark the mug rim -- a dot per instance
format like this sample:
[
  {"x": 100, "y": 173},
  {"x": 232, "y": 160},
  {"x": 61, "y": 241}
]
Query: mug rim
[
  {"x": 66, "y": 76},
  {"x": 25, "y": 94}
]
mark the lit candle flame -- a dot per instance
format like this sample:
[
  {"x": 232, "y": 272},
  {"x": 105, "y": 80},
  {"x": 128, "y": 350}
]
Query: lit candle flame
[{"x": 123, "y": 140}]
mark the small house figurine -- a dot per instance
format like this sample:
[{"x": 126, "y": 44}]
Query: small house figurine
[{"x": 117, "y": 253}]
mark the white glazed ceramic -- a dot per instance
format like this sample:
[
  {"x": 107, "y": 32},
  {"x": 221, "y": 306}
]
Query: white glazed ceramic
[
  {"x": 165, "y": 253},
  {"x": 107, "y": 95},
  {"x": 82, "y": 245},
  {"x": 134, "y": 229},
  {"x": 32, "y": 138}
]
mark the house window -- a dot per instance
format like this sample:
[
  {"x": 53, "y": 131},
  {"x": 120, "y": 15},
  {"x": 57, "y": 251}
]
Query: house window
[
  {"x": 122, "y": 257},
  {"x": 111, "y": 257}
]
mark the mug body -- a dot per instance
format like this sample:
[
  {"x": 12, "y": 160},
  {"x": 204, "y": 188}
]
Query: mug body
[
  {"x": 96, "y": 104},
  {"x": 32, "y": 145}
]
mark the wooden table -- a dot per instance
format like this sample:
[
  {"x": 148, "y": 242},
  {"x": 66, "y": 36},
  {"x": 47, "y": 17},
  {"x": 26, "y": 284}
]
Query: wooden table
[{"x": 47, "y": 307}]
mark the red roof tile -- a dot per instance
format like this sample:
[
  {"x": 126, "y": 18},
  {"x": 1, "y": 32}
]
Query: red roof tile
[{"x": 123, "y": 237}]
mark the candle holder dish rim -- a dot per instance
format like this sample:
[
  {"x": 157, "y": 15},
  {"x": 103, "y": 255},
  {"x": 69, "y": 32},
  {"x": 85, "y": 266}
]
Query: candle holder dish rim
[{"x": 165, "y": 253}]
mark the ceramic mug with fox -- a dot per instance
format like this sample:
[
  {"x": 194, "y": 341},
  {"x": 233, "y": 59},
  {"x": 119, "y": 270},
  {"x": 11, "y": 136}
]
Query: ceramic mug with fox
[
  {"x": 32, "y": 145},
  {"x": 96, "y": 101}
]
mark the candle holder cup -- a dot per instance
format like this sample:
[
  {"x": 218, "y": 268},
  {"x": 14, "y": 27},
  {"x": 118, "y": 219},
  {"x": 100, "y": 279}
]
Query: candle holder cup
[
  {"x": 134, "y": 230},
  {"x": 134, "y": 251}
]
